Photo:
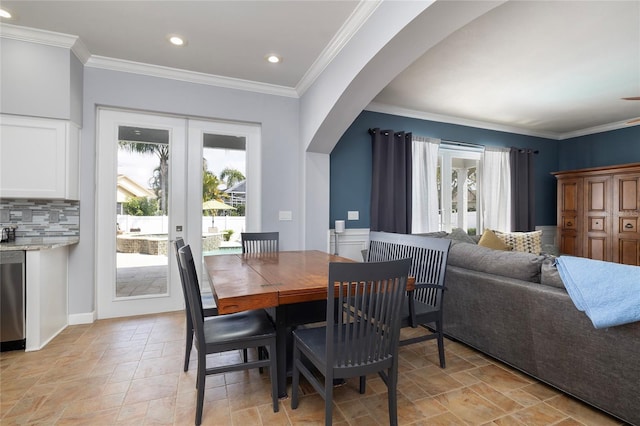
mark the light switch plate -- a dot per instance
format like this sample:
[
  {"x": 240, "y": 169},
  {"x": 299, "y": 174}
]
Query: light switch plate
[
  {"x": 285, "y": 215},
  {"x": 27, "y": 215},
  {"x": 54, "y": 216},
  {"x": 5, "y": 215},
  {"x": 353, "y": 215}
]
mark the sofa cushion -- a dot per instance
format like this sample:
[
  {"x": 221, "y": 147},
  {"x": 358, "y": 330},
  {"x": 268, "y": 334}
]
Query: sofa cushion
[
  {"x": 549, "y": 274},
  {"x": 513, "y": 264},
  {"x": 490, "y": 240},
  {"x": 528, "y": 242}
]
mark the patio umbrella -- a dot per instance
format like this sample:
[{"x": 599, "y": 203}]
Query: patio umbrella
[{"x": 216, "y": 205}]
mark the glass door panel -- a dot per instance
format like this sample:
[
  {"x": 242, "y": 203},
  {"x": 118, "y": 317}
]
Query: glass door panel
[{"x": 142, "y": 196}]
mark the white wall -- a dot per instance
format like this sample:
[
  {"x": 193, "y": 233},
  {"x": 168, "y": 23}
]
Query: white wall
[{"x": 281, "y": 168}]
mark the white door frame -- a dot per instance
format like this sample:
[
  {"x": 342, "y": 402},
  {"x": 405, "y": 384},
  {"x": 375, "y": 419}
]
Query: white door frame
[
  {"x": 107, "y": 304},
  {"x": 187, "y": 136}
]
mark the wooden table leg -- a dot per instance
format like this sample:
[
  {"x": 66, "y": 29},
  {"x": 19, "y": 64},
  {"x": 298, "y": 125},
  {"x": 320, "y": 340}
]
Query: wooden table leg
[{"x": 281, "y": 349}]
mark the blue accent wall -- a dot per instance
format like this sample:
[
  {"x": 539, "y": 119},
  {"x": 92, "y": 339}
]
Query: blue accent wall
[
  {"x": 350, "y": 178},
  {"x": 611, "y": 148}
]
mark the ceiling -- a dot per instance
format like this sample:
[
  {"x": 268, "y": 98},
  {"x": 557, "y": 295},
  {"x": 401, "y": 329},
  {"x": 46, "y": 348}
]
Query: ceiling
[{"x": 554, "y": 69}]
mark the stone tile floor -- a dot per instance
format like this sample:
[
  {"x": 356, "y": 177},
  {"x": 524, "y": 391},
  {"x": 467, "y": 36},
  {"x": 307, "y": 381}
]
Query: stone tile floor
[{"x": 128, "y": 371}]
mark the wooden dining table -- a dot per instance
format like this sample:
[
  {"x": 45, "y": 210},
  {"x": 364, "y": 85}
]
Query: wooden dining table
[{"x": 290, "y": 285}]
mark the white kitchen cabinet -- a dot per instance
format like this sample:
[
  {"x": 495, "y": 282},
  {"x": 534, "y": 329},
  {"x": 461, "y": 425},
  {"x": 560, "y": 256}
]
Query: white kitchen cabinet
[{"x": 39, "y": 158}]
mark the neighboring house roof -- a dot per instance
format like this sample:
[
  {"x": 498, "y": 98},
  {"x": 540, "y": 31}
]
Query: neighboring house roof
[
  {"x": 237, "y": 194},
  {"x": 240, "y": 187},
  {"x": 128, "y": 188}
]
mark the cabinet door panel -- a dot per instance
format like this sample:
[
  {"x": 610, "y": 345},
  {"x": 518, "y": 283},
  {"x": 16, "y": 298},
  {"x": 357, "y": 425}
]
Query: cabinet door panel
[
  {"x": 629, "y": 194},
  {"x": 628, "y": 251},
  {"x": 597, "y": 211},
  {"x": 39, "y": 158},
  {"x": 626, "y": 232},
  {"x": 597, "y": 248}
]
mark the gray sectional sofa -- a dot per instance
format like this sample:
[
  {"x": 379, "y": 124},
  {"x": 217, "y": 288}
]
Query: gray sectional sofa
[{"x": 513, "y": 307}]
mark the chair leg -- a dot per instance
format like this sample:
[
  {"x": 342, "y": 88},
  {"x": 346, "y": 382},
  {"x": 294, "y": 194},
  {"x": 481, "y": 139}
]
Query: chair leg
[
  {"x": 201, "y": 385},
  {"x": 273, "y": 373},
  {"x": 392, "y": 391},
  {"x": 295, "y": 377},
  {"x": 328, "y": 400},
  {"x": 188, "y": 345},
  {"x": 440, "y": 344},
  {"x": 363, "y": 384},
  {"x": 244, "y": 355}
]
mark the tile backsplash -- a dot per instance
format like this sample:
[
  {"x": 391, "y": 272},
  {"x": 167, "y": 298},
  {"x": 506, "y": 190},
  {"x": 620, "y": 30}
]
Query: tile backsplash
[{"x": 41, "y": 218}]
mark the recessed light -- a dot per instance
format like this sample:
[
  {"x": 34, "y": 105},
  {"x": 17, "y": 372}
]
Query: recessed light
[
  {"x": 5, "y": 14},
  {"x": 274, "y": 59},
  {"x": 176, "y": 40}
]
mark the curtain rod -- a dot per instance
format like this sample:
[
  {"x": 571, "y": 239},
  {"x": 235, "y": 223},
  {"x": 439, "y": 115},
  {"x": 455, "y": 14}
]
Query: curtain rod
[
  {"x": 475, "y": 145},
  {"x": 469, "y": 144}
]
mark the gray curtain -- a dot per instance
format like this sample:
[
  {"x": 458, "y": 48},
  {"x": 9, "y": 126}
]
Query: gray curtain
[
  {"x": 522, "y": 190},
  {"x": 391, "y": 181}
]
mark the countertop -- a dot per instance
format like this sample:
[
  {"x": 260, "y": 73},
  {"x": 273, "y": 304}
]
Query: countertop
[{"x": 38, "y": 243}]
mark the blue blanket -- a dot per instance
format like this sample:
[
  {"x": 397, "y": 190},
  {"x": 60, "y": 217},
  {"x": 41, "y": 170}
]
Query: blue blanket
[{"x": 609, "y": 293}]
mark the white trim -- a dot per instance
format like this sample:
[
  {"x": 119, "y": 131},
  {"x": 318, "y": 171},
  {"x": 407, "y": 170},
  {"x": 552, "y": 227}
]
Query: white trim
[
  {"x": 48, "y": 38},
  {"x": 422, "y": 115},
  {"x": 597, "y": 129},
  {"x": 351, "y": 242},
  {"x": 188, "y": 76},
  {"x": 33, "y": 35},
  {"x": 358, "y": 17},
  {"x": 84, "y": 318}
]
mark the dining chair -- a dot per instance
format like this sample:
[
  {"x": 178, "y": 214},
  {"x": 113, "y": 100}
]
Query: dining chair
[
  {"x": 424, "y": 305},
  {"x": 223, "y": 333},
  {"x": 260, "y": 242},
  {"x": 209, "y": 309},
  {"x": 361, "y": 333}
]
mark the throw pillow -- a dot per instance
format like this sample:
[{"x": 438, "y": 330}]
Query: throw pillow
[
  {"x": 528, "y": 242},
  {"x": 490, "y": 240},
  {"x": 460, "y": 234}
]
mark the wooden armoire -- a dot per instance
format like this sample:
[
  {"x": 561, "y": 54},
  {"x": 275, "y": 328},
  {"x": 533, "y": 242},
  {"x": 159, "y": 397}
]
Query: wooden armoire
[{"x": 599, "y": 213}]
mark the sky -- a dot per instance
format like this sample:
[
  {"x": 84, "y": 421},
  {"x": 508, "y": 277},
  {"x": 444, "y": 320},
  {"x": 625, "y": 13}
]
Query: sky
[{"x": 140, "y": 167}]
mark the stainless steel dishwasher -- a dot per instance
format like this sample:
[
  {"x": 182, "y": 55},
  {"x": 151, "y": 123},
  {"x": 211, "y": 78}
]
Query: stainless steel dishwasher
[{"x": 12, "y": 300}]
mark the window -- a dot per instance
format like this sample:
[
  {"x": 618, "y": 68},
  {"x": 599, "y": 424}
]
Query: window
[{"x": 458, "y": 195}]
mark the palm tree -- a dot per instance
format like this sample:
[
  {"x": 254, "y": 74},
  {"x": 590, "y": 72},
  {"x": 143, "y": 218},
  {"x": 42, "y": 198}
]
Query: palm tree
[
  {"x": 231, "y": 176},
  {"x": 161, "y": 174},
  {"x": 210, "y": 184}
]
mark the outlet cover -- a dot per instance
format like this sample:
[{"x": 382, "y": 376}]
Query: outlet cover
[
  {"x": 285, "y": 215},
  {"x": 353, "y": 215},
  {"x": 27, "y": 215},
  {"x": 54, "y": 216},
  {"x": 5, "y": 215}
]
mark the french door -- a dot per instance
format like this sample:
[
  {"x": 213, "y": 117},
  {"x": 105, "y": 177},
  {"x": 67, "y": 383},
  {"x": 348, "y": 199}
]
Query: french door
[
  {"x": 149, "y": 192},
  {"x": 136, "y": 272}
]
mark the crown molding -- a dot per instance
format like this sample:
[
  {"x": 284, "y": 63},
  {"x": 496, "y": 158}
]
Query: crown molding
[
  {"x": 358, "y": 17},
  {"x": 597, "y": 129},
  {"x": 33, "y": 35},
  {"x": 48, "y": 38},
  {"x": 188, "y": 76},
  {"x": 405, "y": 112}
]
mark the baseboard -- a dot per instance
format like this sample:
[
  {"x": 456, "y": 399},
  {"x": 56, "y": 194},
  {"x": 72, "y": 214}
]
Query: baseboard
[{"x": 85, "y": 318}]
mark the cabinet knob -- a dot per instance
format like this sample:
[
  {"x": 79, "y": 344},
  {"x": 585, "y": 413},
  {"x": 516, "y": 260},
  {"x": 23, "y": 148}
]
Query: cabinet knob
[
  {"x": 628, "y": 226},
  {"x": 569, "y": 223}
]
